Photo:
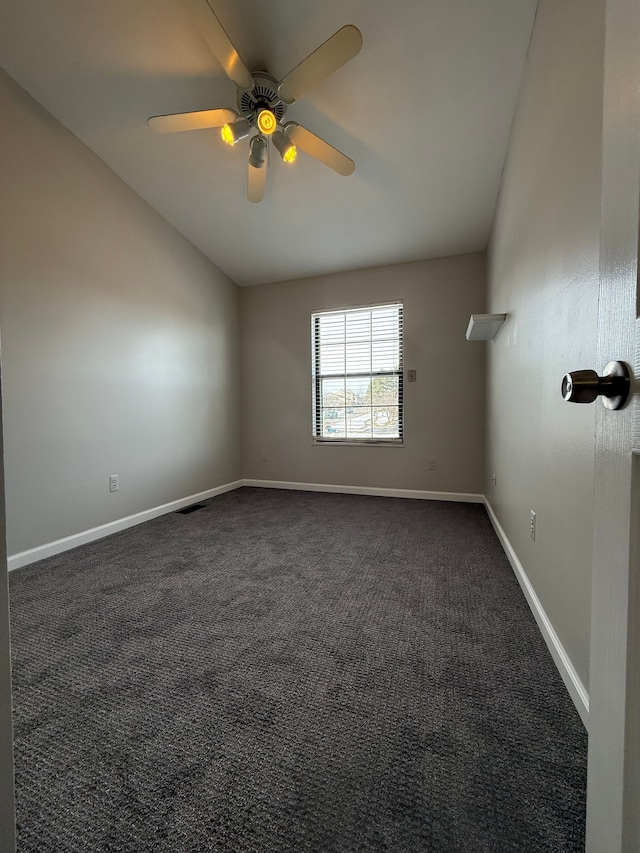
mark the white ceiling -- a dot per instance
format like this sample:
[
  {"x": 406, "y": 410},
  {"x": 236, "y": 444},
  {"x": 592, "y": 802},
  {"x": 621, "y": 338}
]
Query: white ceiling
[{"x": 425, "y": 111}]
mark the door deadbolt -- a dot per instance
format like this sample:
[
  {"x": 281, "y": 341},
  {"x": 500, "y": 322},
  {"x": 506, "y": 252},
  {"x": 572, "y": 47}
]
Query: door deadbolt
[{"x": 583, "y": 386}]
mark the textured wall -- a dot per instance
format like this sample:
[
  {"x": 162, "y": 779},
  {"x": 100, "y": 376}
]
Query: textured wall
[
  {"x": 444, "y": 408},
  {"x": 543, "y": 271},
  {"x": 119, "y": 342}
]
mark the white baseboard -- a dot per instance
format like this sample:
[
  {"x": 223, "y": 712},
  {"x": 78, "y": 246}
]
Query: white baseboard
[
  {"x": 24, "y": 558},
  {"x": 50, "y": 549},
  {"x": 417, "y": 494},
  {"x": 562, "y": 660}
]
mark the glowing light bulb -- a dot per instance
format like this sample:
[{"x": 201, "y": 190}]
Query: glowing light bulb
[
  {"x": 266, "y": 122},
  {"x": 290, "y": 154},
  {"x": 232, "y": 133},
  {"x": 285, "y": 149}
]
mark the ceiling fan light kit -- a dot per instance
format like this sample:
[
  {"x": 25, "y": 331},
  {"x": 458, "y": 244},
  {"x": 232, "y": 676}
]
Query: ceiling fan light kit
[
  {"x": 266, "y": 122},
  {"x": 258, "y": 152},
  {"x": 262, "y": 101},
  {"x": 232, "y": 133},
  {"x": 285, "y": 148}
]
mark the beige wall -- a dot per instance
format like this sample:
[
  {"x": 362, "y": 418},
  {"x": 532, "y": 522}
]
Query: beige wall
[
  {"x": 444, "y": 408},
  {"x": 543, "y": 271},
  {"x": 119, "y": 341}
]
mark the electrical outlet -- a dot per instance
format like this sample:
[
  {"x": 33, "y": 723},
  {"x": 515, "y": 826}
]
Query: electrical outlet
[
  {"x": 411, "y": 376},
  {"x": 114, "y": 482},
  {"x": 532, "y": 525},
  {"x": 432, "y": 463}
]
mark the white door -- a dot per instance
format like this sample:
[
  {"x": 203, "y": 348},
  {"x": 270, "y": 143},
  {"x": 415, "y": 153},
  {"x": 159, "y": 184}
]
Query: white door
[{"x": 613, "y": 788}]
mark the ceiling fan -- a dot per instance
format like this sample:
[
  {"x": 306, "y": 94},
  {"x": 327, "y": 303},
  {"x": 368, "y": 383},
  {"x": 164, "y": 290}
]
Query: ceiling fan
[{"x": 262, "y": 101}]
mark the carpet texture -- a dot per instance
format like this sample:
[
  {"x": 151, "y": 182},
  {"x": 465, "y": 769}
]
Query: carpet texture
[{"x": 288, "y": 672}]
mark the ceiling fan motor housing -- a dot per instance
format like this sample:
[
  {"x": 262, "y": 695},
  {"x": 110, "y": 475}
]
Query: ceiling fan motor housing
[{"x": 263, "y": 96}]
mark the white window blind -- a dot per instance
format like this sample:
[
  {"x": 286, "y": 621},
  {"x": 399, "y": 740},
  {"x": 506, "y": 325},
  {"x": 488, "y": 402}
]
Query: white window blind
[{"x": 357, "y": 374}]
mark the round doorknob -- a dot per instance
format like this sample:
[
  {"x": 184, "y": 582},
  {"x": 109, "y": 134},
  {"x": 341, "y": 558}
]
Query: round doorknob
[{"x": 583, "y": 386}]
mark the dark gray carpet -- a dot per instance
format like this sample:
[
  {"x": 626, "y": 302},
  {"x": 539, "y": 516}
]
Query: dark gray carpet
[{"x": 291, "y": 671}]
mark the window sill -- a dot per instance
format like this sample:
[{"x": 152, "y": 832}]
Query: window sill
[{"x": 362, "y": 442}]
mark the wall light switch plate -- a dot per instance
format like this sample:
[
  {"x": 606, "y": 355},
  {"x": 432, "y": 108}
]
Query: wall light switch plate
[{"x": 411, "y": 376}]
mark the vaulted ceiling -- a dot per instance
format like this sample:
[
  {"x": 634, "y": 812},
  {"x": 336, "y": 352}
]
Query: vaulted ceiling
[{"x": 424, "y": 109}]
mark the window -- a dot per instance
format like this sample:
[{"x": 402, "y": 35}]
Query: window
[{"x": 357, "y": 374}]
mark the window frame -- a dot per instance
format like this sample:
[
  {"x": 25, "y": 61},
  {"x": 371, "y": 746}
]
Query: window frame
[{"x": 317, "y": 377}]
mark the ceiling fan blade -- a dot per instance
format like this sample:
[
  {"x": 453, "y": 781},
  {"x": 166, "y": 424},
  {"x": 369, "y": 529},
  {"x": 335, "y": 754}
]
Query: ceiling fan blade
[
  {"x": 331, "y": 55},
  {"x": 318, "y": 148},
  {"x": 191, "y": 121},
  {"x": 255, "y": 183},
  {"x": 215, "y": 36}
]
